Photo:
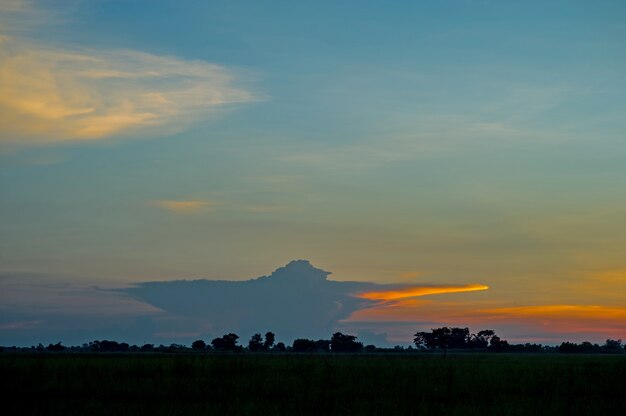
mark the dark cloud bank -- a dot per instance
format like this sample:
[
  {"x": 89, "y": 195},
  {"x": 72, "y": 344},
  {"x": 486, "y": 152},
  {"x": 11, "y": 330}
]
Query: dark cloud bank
[{"x": 296, "y": 300}]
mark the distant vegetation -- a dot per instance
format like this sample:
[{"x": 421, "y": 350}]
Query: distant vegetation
[{"x": 438, "y": 339}]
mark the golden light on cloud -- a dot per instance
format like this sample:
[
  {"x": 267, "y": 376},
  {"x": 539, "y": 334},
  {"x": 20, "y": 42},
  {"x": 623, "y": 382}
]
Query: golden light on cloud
[
  {"x": 52, "y": 94},
  {"x": 411, "y": 292},
  {"x": 191, "y": 206}
]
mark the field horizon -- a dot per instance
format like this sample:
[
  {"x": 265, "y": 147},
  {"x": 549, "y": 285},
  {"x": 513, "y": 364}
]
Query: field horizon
[{"x": 289, "y": 384}]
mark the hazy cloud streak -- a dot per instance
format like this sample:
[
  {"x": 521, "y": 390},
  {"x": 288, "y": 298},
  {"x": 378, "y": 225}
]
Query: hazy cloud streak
[
  {"x": 51, "y": 94},
  {"x": 185, "y": 206}
]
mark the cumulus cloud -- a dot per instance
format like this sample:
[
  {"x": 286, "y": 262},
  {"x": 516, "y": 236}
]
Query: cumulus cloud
[
  {"x": 50, "y": 94},
  {"x": 185, "y": 206},
  {"x": 297, "y": 300}
]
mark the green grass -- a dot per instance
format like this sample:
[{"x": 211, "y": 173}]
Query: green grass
[{"x": 488, "y": 384}]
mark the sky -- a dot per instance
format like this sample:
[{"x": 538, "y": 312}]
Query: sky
[{"x": 421, "y": 143}]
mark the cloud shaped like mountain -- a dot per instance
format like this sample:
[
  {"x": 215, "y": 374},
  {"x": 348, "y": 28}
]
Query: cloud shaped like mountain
[{"x": 296, "y": 300}]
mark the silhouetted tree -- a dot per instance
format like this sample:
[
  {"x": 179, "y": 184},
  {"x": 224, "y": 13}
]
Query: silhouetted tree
[
  {"x": 147, "y": 348},
  {"x": 280, "y": 347},
  {"x": 589, "y": 348},
  {"x": 344, "y": 343},
  {"x": 55, "y": 347},
  {"x": 303, "y": 345},
  {"x": 322, "y": 345},
  {"x": 422, "y": 340},
  {"x": 108, "y": 346},
  {"x": 255, "y": 343},
  {"x": 459, "y": 338},
  {"x": 527, "y": 347},
  {"x": 497, "y": 344},
  {"x": 481, "y": 339},
  {"x": 612, "y": 346},
  {"x": 437, "y": 338},
  {"x": 227, "y": 342},
  {"x": 441, "y": 338},
  {"x": 568, "y": 347},
  {"x": 308, "y": 345},
  {"x": 269, "y": 341},
  {"x": 198, "y": 345}
]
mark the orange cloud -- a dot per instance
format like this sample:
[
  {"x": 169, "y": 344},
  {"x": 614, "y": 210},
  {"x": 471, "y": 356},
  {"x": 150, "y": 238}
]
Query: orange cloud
[
  {"x": 411, "y": 292},
  {"x": 184, "y": 207}
]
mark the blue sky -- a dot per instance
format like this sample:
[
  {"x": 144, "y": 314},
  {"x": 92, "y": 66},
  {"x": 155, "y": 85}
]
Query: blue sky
[{"x": 448, "y": 141}]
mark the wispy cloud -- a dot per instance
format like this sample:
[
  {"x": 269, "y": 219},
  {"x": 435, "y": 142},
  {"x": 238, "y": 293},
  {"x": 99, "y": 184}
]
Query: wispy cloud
[
  {"x": 51, "y": 94},
  {"x": 191, "y": 206},
  {"x": 27, "y": 16},
  {"x": 14, "y": 5},
  {"x": 19, "y": 325},
  {"x": 512, "y": 115}
]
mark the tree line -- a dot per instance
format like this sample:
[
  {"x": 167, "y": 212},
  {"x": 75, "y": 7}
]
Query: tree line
[{"x": 441, "y": 339}]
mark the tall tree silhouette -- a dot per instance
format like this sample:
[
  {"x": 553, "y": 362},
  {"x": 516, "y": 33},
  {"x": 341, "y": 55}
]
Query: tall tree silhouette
[
  {"x": 269, "y": 340},
  {"x": 256, "y": 343},
  {"x": 437, "y": 338}
]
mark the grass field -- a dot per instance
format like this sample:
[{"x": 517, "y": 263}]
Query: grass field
[{"x": 488, "y": 384}]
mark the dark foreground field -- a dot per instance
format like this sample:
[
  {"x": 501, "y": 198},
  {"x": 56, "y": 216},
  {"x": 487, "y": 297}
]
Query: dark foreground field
[{"x": 98, "y": 384}]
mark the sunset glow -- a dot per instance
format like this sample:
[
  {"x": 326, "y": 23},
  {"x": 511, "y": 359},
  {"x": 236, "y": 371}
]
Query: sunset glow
[
  {"x": 415, "y": 164},
  {"x": 412, "y": 292},
  {"x": 585, "y": 312}
]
